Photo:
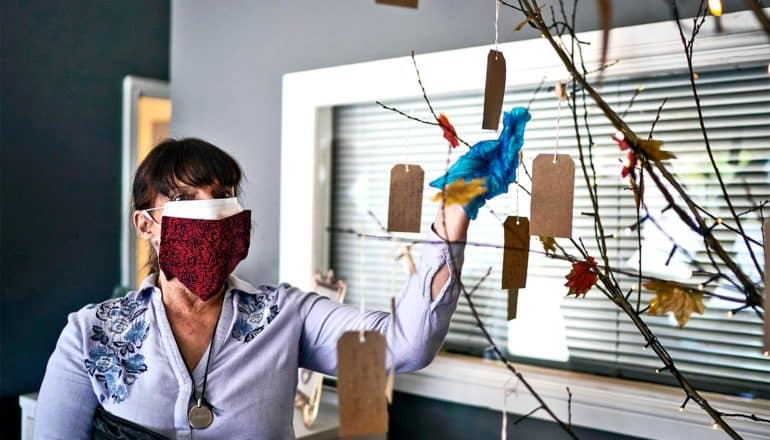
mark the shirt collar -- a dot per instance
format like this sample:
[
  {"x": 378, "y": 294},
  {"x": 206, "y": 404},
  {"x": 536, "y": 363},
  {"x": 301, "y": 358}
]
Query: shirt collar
[{"x": 233, "y": 284}]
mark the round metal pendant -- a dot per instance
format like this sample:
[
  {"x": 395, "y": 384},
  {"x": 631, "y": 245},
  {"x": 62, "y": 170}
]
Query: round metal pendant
[{"x": 200, "y": 416}]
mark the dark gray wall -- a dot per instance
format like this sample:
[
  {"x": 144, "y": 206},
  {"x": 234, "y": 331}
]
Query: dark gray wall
[{"x": 61, "y": 68}]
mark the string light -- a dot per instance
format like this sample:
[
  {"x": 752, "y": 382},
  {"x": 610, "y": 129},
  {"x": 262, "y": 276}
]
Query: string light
[
  {"x": 715, "y": 7},
  {"x": 766, "y": 354},
  {"x": 719, "y": 221},
  {"x": 730, "y": 314},
  {"x": 715, "y": 426}
]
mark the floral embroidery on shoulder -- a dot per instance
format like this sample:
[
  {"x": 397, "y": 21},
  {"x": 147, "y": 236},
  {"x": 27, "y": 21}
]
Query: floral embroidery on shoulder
[
  {"x": 255, "y": 312},
  {"x": 114, "y": 359}
]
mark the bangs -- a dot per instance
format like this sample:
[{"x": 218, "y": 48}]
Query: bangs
[{"x": 193, "y": 162}]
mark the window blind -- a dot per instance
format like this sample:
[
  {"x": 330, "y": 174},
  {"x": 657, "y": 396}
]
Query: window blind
[{"x": 369, "y": 140}]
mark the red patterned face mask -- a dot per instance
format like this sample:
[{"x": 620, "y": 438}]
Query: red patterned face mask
[{"x": 202, "y": 253}]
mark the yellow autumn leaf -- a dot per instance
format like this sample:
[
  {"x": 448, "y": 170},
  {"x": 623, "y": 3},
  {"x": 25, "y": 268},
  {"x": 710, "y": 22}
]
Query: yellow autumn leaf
[
  {"x": 676, "y": 298},
  {"x": 652, "y": 149},
  {"x": 521, "y": 24},
  {"x": 549, "y": 244},
  {"x": 460, "y": 192}
]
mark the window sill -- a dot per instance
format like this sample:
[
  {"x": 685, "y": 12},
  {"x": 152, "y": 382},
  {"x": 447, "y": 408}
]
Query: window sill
[{"x": 609, "y": 404}]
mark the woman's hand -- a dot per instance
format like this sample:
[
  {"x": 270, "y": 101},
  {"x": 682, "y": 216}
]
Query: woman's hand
[{"x": 451, "y": 223}]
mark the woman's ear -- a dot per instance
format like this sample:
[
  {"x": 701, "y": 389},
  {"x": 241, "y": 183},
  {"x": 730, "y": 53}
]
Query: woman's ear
[{"x": 143, "y": 224}]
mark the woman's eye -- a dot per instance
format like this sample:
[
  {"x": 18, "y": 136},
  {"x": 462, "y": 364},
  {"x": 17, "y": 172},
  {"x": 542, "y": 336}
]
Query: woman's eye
[{"x": 178, "y": 198}]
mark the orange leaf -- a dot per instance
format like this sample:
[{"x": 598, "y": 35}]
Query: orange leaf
[
  {"x": 549, "y": 244},
  {"x": 676, "y": 298},
  {"x": 449, "y": 130},
  {"x": 582, "y": 277},
  {"x": 461, "y": 192}
]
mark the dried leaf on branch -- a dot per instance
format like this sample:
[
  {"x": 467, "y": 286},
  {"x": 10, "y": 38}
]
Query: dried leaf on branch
[
  {"x": 676, "y": 298},
  {"x": 449, "y": 130},
  {"x": 629, "y": 164},
  {"x": 582, "y": 277},
  {"x": 652, "y": 149},
  {"x": 460, "y": 192},
  {"x": 549, "y": 244}
]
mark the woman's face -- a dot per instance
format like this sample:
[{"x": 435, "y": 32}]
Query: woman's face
[{"x": 150, "y": 230}]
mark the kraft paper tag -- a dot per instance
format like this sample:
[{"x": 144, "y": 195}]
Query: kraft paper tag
[
  {"x": 766, "y": 228},
  {"x": 513, "y": 300},
  {"x": 405, "y": 204},
  {"x": 516, "y": 252},
  {"x": 553, "y": 188},
  {"x": 494, "y": 90},
  {"x": 361, "y": 384},
  {"x": 404, "y": 3}
]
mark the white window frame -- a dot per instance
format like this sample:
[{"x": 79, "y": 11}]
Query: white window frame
[
  {"x": 616, "y": 405},
  {"x": 134, "y": 87}
]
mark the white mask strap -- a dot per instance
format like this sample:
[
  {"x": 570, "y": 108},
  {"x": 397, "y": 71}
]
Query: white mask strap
[{"x": 146, "y": 213}]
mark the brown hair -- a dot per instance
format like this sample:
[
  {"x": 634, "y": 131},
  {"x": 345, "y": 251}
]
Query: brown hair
[{"x": 191, "y": 161}]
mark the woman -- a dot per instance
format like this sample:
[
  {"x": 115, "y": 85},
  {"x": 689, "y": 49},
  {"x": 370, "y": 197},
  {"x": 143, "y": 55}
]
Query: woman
[
  {"x": 197, "y": 352},
  {"x": 147, "y": 356}
]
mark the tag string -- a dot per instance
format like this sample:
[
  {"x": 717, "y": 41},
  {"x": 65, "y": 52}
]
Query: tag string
[
  {"x": 504, "y": 431},
  {"x": 518, "y": 188},
  {"x": 407, "y": 141},
  {"x": 497, "y": 20},
  {"x": 506, "y": 392},
  {"x": 362, "y": 278}
]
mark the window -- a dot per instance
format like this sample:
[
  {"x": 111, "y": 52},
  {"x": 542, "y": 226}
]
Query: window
[
  {"x": 648, "y": 53},
  {"x": 146, "y": 121},
  {"x": 587, "y": 334}
]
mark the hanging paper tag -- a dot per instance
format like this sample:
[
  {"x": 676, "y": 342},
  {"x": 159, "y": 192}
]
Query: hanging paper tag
[
  {"x": 553, "y": 188},
  {"x": 361, "y": 384},
  {"x": 404, "y": 3},
  {"x": 516, "y": 252},
  {"x": 766, "y": 227},
  {"x": 494, "y": 90},
  {"x": 405, "y": 205},
  {"x": 513, "y": 300}
]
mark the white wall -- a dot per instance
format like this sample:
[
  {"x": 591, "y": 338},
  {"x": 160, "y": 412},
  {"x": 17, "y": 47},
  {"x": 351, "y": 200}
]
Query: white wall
[{"x": 228, "y": 57}]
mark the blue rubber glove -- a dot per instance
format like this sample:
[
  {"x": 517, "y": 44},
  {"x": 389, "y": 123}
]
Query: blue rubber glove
[{"x": 495, "y": 160}]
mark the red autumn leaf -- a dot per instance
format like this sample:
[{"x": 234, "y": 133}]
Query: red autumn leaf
[
  {"x": 620, "y": 138},
  {"x": 449, "y": 131},
  {"x": 582, "y": 277},
  {"x": 629, "y": 164}
]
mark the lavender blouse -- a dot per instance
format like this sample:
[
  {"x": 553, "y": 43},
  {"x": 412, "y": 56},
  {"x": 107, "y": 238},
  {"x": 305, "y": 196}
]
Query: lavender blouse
[{"x": 122, "y": 354}]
